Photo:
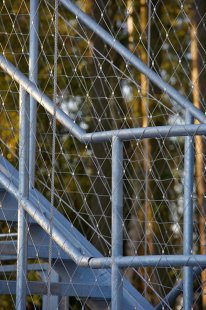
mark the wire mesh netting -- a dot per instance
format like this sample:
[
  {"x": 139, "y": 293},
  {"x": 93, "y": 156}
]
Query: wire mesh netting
[{"x": 100, "y": 91}]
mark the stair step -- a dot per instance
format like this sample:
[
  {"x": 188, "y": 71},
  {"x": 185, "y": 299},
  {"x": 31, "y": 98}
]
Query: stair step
[
  {"x": 131, "y": 297},
  {"x": 9, "y": 208},
  {"x": 60, "y": 289}
]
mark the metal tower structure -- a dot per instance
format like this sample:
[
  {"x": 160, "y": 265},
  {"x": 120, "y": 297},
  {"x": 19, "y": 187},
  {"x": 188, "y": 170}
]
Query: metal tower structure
[{"x": 92, "y": 216}]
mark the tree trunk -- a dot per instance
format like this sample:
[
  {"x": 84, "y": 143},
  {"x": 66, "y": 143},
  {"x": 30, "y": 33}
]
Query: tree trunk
[
  {"x": 199, "y": 101},
  {"x": 147, "y": 150},
  {"x": 105, "y": 112},
  {"x": 140, "y": 109}
]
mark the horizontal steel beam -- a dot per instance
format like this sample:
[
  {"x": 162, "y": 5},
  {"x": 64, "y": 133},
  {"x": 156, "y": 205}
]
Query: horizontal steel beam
[
  {"x": 35, "y": 212},
  {"x": 147, "y": 132},
  {"x": 87, "y": 290},
  {"x": 9, "y": 235},
  {"x": 134, "y": 60},
  {"x": 150, "y": 261},
  {"x": 85, "y": 250},
  {"x": 96, "y": 137},
  {"x": 101, "y": 262},
  {"x": 7, "y": 258},
  {"x": 34, "y": 267},
  {"x": 9, "y": 248}
]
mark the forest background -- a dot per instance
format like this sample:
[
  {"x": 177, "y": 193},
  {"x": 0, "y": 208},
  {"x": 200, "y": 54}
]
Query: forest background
[{"x": 101, "y": 91}]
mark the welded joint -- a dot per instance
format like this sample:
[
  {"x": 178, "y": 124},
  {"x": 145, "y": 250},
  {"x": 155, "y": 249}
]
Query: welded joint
[
  {"x": 133, "y": 59},
  {"x": 73, "y": 252},
  {"x": 96, "y": 137},
  {"x": 105, "y": 262}
]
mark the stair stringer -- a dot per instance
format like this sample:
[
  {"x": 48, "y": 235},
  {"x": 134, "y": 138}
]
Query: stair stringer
[{"x": 132, "y": 299}]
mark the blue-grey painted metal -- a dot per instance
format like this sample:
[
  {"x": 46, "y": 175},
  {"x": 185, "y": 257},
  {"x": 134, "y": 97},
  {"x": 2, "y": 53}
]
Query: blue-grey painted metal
[
  {"x": 79, "y": 133},
  {"x": 150, "y": 261},
  {"x": 188, "y": 215},
  {"x": 134, "y": 60},
  {"x": 38, "y": 212},
  {"x": 23, "y": 194},
  {"x": 9, "y": 177},
  {"x": 40, "y": 97},
  {"x": 72, "y": 237},
  {"x": 171, "y": 297},
  {"x": 40, "y": 249},
  {"x": 35, "y": 209},
  {"x": 147, "y": 132},
  {"x": 34, "y": 267},
  {"x": 124, "y": 134},
  {"x": 9, "y": 235},
  {"x": 33, "y": 74},
  {"x": 38, "y": 207},
  {"x": 53, "y": 300},
  {"x": 81, "y": 256},
  {"x": 57, "y": 289},
  {"x": 117, "y": 221}
]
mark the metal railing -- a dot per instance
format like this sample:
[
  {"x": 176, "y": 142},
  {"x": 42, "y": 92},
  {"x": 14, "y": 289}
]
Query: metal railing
[{"x": 117, "y": 260}]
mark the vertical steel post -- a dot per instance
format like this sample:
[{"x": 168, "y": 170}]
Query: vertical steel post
[
  {"x": 188, "y": 215},
  {"x": 54, "y": 300},
  {"x": 33, "y": 74},
  {"x": 117, "y": 221},
  {"x": 23, "y": 192}
]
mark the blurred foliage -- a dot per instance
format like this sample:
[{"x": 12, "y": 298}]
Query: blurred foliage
[{"x": 170, "y": 58}]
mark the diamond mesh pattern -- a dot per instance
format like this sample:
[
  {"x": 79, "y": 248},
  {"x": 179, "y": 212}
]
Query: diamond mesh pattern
[{"x": 101, "y": 91}]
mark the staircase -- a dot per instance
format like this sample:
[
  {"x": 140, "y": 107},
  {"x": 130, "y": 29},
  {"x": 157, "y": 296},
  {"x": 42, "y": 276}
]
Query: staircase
[
  {"x": 79, "y": 270},
  {"x": 86, "y": 283}
]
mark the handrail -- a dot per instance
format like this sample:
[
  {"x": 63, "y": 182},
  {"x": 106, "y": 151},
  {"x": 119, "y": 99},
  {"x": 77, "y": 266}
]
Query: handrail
[
  {"x": 40, "y": 97},
  {"x": 134, "y": 60},
  {"x": 41, "y": 218},
  {"x": 96, "y": 137},
  {"x": 122, "y": 134},
  {"x": 117, "y": 261},
  {"x": 65, "y": 235},
  {"x": 146, "y": 132}
]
